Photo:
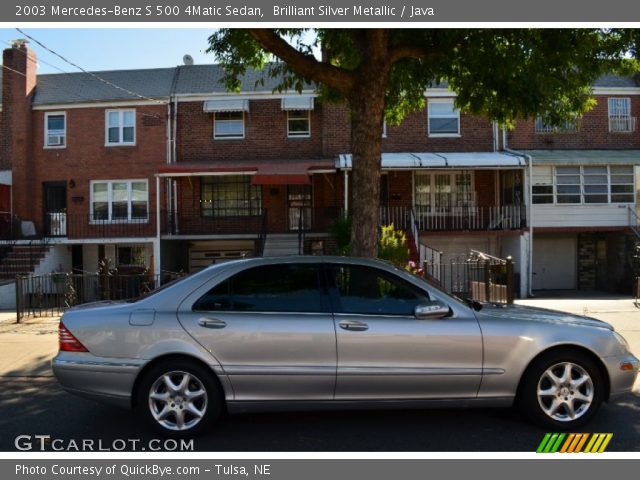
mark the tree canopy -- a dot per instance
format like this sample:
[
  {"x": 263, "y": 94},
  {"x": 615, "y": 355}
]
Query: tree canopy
[{"x": 502, "y": 74}]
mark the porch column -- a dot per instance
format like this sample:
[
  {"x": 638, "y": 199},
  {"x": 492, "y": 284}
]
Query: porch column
[
  {"x": 156, "y": 243},
  {"x": 346, "y": 193}
]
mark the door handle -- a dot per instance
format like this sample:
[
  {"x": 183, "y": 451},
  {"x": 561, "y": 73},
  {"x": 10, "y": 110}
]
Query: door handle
[
  {"x": 212, "y": 323},
  {"x": 354, "y": 326}
]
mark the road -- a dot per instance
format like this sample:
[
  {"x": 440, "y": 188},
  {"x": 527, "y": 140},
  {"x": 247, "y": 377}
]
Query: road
[{"x": 31, "y": 403}]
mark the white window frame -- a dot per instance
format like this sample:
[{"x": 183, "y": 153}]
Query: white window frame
[
  {"x": 626, "y": 118},
  {"x": 454, "y": 193},
  {"x": 120, "y": 142},
  {"x": 229, "y": 137},
  {"x": 46, "y": 130},
  {"x": 306, "y": 134},
  {"x": 451, "y": 100},
  {"x": 582, "y": 185},
  {"x": 542, "y": 128},
  {"x": 110, "y": 183}
]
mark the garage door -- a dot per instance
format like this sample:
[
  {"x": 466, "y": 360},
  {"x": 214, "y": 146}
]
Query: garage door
[{"x": 554, "y": 263}]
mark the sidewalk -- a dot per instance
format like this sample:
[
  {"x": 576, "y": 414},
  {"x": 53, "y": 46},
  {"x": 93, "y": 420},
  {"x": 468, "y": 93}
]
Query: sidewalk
[{"x": 26, "y": 348}]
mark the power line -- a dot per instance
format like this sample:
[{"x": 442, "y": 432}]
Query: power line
[
  {"x": 14, "y": 71},
  {"x": 35, "y": 59},
  {"x": 97, "y": 77}
]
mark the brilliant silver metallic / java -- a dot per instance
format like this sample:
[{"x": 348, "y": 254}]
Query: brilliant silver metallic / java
[{"x": 333, "y": 332}]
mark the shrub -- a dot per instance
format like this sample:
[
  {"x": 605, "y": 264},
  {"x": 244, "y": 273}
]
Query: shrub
[
  {"x": 393, "y": 246},
  {"x": 341, "y": 231}
]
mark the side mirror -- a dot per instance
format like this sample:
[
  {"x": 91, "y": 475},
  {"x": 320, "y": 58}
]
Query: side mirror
[{"x": 431, "y": 311}]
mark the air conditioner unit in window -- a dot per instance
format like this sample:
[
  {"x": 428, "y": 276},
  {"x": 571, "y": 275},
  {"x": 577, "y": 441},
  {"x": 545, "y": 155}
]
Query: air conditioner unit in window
[{"x": 55, "y": 140}]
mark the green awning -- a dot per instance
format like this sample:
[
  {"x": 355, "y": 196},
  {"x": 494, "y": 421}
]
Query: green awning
[{"x": 584, "y": 157}]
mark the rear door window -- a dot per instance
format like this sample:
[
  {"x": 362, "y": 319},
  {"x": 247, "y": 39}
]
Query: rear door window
[{"x": 267, "y": 288}]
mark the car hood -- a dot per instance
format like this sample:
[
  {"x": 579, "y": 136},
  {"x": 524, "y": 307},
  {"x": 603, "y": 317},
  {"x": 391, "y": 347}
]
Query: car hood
[{"x": 541, "y": 315}]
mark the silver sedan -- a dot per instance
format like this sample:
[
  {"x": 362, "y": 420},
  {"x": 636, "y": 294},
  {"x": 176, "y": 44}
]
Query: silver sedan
[{"x": 329, "y": 333}]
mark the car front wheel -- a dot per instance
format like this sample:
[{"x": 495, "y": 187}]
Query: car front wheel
[
  {"x": 179, "y": 398},
  {"x": 563, "y": 390}
]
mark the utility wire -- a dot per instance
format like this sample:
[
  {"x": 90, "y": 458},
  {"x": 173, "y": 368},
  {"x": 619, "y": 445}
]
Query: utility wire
[
  {"x": 97, "y": 77},
  {"x": 12, "y": 70},
  {"x": 31, "y": 57}
]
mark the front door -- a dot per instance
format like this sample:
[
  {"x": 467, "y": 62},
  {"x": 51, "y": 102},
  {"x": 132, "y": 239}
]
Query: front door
[
  {"x": 55, "y": 208},
  {"x": 271, "y": 329},
  {"x": 385, "y": 353},
  {"x": 299, "y": 205}
]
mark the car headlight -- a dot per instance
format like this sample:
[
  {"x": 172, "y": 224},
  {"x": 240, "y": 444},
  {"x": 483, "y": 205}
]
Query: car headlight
[{"x": 621, "y": 340}]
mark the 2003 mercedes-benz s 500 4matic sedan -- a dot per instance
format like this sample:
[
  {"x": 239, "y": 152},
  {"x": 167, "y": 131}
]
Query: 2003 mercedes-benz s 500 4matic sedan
[{"x": 333, "y": 332}]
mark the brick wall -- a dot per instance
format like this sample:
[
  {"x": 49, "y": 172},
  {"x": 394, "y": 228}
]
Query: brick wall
[
  {"x": 593, "y": 132},
  {"x": 86, "y": 158},
  {"x": 265, "y": 135}
]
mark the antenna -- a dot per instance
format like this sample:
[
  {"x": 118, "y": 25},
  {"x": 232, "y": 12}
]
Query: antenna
[{"x": 187, "y": 59}]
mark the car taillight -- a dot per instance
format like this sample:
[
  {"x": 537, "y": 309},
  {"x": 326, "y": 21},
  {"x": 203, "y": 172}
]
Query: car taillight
[{"x": 67, "y": 342}]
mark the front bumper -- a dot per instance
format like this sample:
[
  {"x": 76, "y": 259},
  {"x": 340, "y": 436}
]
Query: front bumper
[
  {"x": 621, "y": 381},
  {"x": 107, "y": 380}
]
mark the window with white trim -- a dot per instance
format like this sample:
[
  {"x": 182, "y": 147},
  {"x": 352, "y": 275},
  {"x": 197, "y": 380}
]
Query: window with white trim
[
  {"x": 228, "y": 125},
  {"x": 622, "y": 184},
  {"x": 55, "y": 129},
  {"x": 542, "y": 184},
  {"x": 119, "y": 200},
  {"x": 584, "y": 185},
  {"x": 440, "y": 192},
  {"x": 620, "y": 119},
  {"x": 443, "y": 118},
  {"x": 120, "y": 127},
  {"x": 298, "y": 123},
  {"x": 542, "y": 126}
]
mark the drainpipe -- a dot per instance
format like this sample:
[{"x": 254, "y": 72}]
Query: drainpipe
[{"x": 529, "y": 209}]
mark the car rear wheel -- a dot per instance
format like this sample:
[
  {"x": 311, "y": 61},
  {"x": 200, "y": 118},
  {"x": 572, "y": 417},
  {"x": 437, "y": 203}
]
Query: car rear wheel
[
  {"x": 179, "y": 398},
  {"x": 563, "y": 390}
]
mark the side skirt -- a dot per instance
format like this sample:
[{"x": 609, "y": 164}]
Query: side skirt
[{"x": 333, "y": 405}]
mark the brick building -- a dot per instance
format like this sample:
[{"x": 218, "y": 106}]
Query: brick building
[{"x": 164, "y": 169}]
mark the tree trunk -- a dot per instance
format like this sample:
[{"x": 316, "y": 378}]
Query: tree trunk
[{"x": 367, "y": 102}]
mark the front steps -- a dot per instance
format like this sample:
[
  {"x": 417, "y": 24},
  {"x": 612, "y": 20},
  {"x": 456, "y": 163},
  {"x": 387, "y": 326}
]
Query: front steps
[
  {"x": 21, "y": 259},
  {"x": 276, "y": 245}
]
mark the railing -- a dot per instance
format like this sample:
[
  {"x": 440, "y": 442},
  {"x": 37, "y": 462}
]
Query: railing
[
  {"x": 242, "y": 221},
  {"x": 430, "y": 259},
  {"x": 505, "y": 217},
  {"x": 634, "y": 221},
  {"x": 478, "y": 277},
  {"x": 622, "y": 124},
  {"x": 263, "y": 236},
  {"x": 87, "y": 226},
  {"x": 399, "y": 216},
  {"x": 227, "y": 221},
  {"x": 51, "y": 294}
]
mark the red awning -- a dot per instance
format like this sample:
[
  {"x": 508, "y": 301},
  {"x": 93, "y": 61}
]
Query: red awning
[
  {"x": 283, "y": 173},
  {"x": 290, "y": 172}
]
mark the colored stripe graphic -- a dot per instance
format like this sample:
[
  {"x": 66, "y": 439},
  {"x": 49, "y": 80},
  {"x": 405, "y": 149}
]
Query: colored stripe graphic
[{"x": 574, "y": 443}]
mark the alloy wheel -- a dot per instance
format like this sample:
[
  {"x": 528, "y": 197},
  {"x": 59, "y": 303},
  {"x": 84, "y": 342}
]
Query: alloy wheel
[
  {"x": 565, "y": 391},
  {"x": 178, "y": 400}
]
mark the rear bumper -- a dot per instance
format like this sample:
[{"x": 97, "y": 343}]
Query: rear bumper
[
  {"x": 107, "y": 380},
  {"x": 621, "y": 381}
]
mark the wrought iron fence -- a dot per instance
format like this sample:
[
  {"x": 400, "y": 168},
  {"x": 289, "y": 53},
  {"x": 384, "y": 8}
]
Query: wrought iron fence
[
  {"x": 52, "y": 293},
  {"x": 478, "y": 277}
]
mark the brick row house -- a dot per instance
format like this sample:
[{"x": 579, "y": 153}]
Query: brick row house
[{"x": 163, "y": 169}]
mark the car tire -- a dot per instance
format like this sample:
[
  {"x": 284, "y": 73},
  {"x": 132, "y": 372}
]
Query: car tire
[
  {"x": 562, "y": 389},
  {"x": 179, "y": 398}
]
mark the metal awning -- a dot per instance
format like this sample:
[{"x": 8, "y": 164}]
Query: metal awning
[
  {"x": 416, "y": 161},
  {"x": 226, "y": 105},
  {"x": 302, "y": 102},
  {"x": 584, "y": 157}
]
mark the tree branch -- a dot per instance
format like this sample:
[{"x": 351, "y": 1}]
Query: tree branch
[
  {"x": 306, "y": 65},
  {"x": 410, "y": 51}
]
